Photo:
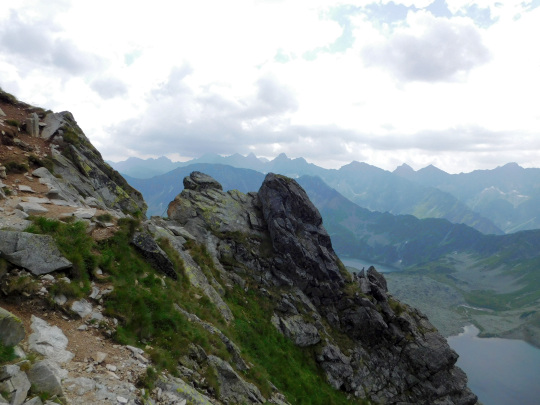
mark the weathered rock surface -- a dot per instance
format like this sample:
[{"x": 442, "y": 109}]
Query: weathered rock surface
[
  {"x": 11, "y": 329},
  {"x": 203, "y": 206},
  {"x": 175, "y": 390},
  {"x": 15, "y": 384},
  {"x": 154, "y": 254},
  {"x": 54, "y": 122},
  {"x": 32, "y": 208},
  {"x": 36, "y": 253},
  {"x": 232, "y": 388},
  {"x": 83, "y": 170},
  {"x": 302, "y": 333},
  {"x": 45, "y": 376},
  {"x": 49, "y": 341},
  {"x": 82, "y": 308}
]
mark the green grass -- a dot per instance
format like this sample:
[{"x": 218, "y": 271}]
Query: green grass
[
  {"x": 144, "y": 303},
  {"x": 75, "y": 244},
  {"x": 293, "y": 370},
  {"x": 7, "y": 354}
]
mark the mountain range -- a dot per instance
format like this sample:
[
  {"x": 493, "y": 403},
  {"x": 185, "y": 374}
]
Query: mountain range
[{"x": 502, "y": 200}]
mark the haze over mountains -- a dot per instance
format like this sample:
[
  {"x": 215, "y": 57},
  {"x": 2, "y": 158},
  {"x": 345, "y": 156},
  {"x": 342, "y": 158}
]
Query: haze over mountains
[{"x": 502, "y": 200}]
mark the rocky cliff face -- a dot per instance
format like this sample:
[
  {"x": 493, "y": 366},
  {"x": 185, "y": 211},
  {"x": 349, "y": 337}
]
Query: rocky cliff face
[
  {"x": 392, "y": 355},
  {"x": 223, "y": 298}
]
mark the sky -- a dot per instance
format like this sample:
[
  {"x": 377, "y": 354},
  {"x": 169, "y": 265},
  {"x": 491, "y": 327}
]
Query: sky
[{"x": 453, "y": 83}]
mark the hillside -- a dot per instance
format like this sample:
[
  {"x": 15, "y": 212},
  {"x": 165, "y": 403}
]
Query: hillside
[{"x": 235, "y": 298}]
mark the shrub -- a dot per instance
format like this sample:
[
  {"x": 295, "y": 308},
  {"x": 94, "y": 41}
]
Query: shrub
[
  {"x": 104, "y": 217},
  {"x": 47, "y": 162},
  {"x": 13, "y": 123},
  {"x": 15, "y": 167}
]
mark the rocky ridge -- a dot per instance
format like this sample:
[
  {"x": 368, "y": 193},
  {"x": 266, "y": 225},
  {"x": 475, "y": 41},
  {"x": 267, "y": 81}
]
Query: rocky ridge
[
  {"x": 224, "y": 251},
  {"x": 394, "y": 353}
]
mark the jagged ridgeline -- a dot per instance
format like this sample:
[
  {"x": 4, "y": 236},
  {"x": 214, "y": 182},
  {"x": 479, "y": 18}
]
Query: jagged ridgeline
[{"x": 236, "y": 298}]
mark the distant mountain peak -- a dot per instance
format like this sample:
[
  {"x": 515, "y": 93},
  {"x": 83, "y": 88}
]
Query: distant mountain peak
[
  {"x": 404, "y": 170},
  {"x": 511, "y": 166},
  {"x": 432, "y": 169},
  {"x": 281, "y": 156}
]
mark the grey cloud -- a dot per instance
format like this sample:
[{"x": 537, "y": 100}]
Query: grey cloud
[
  {"x": 274, "y": 98},
  {"x": 178, "y": 120},
  {"x": 443, "y": 50},
  {"x": 35, "y": 44},
  {"x": 109, "y": 87},
  {"x": 174, "y": 85}
]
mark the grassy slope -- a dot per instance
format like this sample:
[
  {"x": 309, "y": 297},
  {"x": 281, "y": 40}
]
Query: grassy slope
[{"x": 143, "y": 302}]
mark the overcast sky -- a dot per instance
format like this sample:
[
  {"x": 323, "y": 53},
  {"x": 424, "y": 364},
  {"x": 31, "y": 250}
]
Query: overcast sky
[{"x": 450, "y": 83}]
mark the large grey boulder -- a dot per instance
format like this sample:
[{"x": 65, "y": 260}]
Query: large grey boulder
[
  {"x": 11, "y": 328},
  {"x": 154, "y": 254},
  {"x": 233, "y": 388},
  {"x": 49, "y": 341},
  {"x": 15, "y": 384},
  {"x": 294, "y": 327},
  {"x": 53, "y": 122},
  {"x": 31, "y": 208},
  {"x": 83, "y": 308},
  {"x": 59, "y": 189},
  {"x": 36, "y": 253},
  {"x": 175, "y": 389},
  {"x": 199, "y": 181},
  {"x": 46, "y": 376}
]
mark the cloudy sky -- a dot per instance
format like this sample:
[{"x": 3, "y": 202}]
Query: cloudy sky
[{"x": 451, "y": 83}]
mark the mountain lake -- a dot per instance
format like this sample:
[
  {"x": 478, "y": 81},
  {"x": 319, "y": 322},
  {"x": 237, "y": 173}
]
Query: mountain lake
[{"x": 500, "y": 371}]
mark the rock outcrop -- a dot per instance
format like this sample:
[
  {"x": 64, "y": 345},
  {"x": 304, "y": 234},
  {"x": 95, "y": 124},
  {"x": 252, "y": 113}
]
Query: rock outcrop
[{"x": 394, "y": 355}]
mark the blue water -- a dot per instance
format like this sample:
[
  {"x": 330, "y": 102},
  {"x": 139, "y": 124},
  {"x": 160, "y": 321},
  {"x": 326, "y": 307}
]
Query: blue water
[
  {"x": 500, "y": 371},
  {"x": 359, "y": 263}
]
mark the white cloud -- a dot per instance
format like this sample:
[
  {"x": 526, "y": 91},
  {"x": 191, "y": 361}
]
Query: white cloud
[
  {"x": 429, "y": 49},
  {"x": 186, "y": 78}
]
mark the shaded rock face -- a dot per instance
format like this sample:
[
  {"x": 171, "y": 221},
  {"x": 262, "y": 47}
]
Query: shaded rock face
[
  {"x": 394, "y": 354},
  {"x": 153, "y": 254},
  {"x": 296, "y": 230}
]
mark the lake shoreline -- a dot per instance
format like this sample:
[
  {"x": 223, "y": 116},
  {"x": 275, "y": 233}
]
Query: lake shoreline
[{"x": 500, "y": 371}]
